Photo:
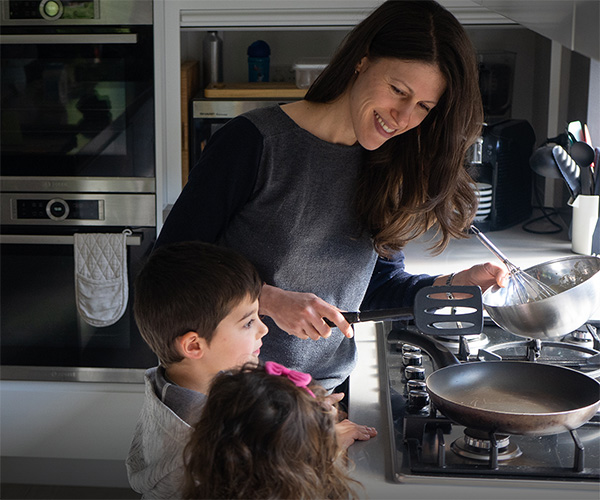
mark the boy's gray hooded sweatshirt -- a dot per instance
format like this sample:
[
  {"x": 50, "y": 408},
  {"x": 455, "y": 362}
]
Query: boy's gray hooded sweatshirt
[{"x": 155, "y": 461}]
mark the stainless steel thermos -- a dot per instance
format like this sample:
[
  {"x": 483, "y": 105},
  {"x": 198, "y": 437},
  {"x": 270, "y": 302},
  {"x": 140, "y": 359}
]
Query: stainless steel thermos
[{"x": 212, "y": 58}]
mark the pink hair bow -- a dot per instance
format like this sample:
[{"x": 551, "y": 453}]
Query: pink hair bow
[{"x": 300, "y": 379}]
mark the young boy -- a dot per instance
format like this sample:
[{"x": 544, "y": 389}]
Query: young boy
[{"x": 196, "y": 306}]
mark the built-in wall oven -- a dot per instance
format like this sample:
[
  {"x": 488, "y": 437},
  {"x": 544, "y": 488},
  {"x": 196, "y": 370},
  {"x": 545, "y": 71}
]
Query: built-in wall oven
[{"x": 77, "y": 157}]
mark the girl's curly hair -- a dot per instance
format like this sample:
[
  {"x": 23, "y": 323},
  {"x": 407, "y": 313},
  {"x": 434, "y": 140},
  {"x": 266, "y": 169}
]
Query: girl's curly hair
[{"x": 261, "y": 436}]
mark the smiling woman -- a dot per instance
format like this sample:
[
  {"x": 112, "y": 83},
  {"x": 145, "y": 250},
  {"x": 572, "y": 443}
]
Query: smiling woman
[
  {"x": 420, "y": 174},
  {"x": 397, "y": 94},
  {"x": 322, "y": 194}
]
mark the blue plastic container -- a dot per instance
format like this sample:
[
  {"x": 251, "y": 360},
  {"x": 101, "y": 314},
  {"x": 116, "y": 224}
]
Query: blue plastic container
[{"x": 259, "y": 61}]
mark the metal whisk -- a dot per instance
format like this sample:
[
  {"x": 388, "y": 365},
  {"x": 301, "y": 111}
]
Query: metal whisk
[{"x": 522, "y": 287}]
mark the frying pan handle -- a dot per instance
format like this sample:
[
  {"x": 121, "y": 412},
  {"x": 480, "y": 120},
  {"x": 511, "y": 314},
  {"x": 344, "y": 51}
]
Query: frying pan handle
[{"x": 439, "y": 353}]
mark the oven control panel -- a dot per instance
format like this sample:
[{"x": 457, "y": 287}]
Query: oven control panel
[
  {"x": 58, "y": 209},
  {"x": 52, "y": 9},
  {"x": 78, "y": 209}
]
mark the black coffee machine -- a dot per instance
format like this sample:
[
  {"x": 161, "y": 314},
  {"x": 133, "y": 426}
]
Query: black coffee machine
[{"x": 501, "y": 159}]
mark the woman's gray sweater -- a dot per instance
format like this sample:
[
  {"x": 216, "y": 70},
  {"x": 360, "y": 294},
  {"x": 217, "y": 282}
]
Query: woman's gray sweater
[{"x": 284, "y": 198}]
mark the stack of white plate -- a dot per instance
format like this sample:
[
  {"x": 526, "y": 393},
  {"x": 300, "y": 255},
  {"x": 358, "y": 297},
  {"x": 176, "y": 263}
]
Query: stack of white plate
[{"x": 484, "y": 199}]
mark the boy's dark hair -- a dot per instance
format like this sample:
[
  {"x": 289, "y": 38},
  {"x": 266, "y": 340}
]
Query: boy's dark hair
[{"x": 189, "y": 286}]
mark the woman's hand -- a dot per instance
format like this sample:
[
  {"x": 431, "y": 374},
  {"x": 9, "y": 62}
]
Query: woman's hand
[
  {"x": 482, "y": 275},
  {"x": 347, "y": 432},
  {"x": 301, "y": 314}
]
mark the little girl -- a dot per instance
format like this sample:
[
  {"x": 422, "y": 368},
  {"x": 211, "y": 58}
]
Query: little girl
[{"x": 265, "y": 434}]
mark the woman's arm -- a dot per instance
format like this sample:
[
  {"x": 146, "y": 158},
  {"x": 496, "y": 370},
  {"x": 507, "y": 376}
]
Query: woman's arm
[
  {"x": 392, "y": 286},
  {"x": 218, "y": 186},
  {"x": 483, "y": 275}
]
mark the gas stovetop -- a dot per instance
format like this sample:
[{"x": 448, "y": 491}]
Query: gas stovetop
[{"x": 426, "y": 443}]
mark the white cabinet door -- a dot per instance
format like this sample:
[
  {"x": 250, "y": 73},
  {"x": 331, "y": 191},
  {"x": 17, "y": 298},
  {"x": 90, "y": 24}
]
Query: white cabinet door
[
  {"x": 308, "y": 13},
  {"x": 574, "y": 24}
]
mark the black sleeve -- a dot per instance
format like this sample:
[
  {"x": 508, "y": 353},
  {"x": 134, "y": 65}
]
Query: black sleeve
[
  {"x": 392, "y": 286},
  {"x": 218, "y": 186}
]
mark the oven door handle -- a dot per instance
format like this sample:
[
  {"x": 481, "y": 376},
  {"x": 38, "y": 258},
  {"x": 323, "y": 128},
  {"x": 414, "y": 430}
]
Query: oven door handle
[
  {"x": 49, "y": 239},
  {"x": 62, "y": 38}
]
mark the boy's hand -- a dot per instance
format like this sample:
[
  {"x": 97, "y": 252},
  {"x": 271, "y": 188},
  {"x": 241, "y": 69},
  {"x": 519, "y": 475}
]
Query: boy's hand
[
  {"x": 329, "y": 403},
  {"x": 301, "y": 314},
  {"x": 347, "y": 432}
]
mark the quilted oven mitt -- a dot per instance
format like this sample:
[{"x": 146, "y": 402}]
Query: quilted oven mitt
[{"x": 101, "y": 285}]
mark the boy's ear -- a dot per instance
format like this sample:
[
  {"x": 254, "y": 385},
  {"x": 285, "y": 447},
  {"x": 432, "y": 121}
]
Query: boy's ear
[{"x": 191, "y": 345}]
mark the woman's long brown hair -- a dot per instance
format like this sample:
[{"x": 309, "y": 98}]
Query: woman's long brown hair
[
  {"x": 417, "y": 179},
  {"x": 260, "y": 436}
]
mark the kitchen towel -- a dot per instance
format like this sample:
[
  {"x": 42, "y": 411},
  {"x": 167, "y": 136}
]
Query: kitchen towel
[{"x": 101, "y": 285}]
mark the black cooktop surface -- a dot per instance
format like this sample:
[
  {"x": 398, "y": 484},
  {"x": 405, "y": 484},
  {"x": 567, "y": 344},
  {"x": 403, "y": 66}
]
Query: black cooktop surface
[{"x": 427, "y": 443}]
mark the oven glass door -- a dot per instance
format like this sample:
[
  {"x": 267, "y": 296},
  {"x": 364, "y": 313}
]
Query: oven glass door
[
  {"x": 77, "y": 101},
  {"x": 40, "y": 323}
]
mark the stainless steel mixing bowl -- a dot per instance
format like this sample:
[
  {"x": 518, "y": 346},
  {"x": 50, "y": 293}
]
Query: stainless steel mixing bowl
[{"x": 576, "y": 281}]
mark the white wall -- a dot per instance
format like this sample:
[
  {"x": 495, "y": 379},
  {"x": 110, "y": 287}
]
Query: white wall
[{"x": 593, "y": 116}]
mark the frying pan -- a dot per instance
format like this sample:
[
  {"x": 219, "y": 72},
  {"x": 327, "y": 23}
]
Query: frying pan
[{"x": 514, "y": 397}]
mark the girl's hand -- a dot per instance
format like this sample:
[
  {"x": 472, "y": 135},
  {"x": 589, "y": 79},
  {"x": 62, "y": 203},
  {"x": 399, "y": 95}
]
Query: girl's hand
[
  {"x": 301, "y": 314},
  {"x": 347, "y": 432}
]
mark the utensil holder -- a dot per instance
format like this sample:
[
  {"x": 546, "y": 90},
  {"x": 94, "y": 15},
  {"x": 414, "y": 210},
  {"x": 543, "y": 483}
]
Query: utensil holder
[{"x": 585, "y": 226}]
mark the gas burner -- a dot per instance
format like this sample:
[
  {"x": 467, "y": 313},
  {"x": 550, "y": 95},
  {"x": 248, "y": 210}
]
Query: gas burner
[
  {"x": 572, "y": 354},
  {"x": 582, "y": 336},
  {"x": 579, "y": 338},
  {"x": 476, "y": 445},
  {"x": 475, "y": 342}
]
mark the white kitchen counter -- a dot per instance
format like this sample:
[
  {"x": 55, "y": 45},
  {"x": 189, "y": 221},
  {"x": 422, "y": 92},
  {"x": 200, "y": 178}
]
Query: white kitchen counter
[
  {"x": 522, "y": 248},
  {"x": 372, "y": 459}
]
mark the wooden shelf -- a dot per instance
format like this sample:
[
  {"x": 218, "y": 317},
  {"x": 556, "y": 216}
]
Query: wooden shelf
[{"x": 254, "y": 89}]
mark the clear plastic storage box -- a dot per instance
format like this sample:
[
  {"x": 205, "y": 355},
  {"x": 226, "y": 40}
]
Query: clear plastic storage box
[{"x": 307, "y": 70}]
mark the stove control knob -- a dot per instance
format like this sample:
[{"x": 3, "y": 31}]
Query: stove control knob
[
  {"x": 57, "y": 209},
  {"x": 414, "y": 373},
  {"x": 406, "y": 348},
  {"x": 418, "y": 401},
  {"x": 416, "y": 385},
  {"x": 51, "y": 9},
  {"x": 412, "y": 359}
]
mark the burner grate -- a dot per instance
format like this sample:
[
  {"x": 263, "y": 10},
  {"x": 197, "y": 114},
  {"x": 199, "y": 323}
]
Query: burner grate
[{"x": 426, "y": 440}]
